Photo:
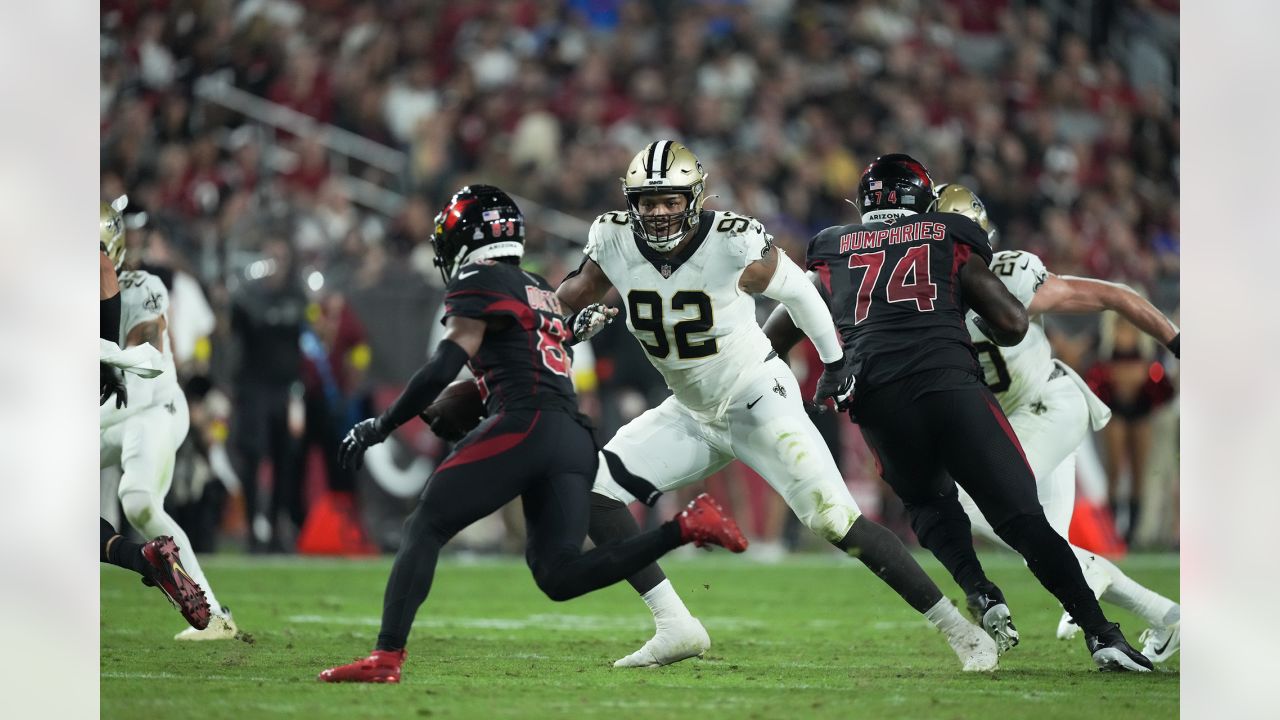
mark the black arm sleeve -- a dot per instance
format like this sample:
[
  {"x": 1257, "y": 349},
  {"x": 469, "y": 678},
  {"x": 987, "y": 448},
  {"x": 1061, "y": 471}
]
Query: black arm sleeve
[
  {"x": 109, "y": 319},
  {"x": 425, "y": 385}
]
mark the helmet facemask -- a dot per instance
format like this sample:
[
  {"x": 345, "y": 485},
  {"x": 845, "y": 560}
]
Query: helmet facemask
[{"x": 665, "y": 168}]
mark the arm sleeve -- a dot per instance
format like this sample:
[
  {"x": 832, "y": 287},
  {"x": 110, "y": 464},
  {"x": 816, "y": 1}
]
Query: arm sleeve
[
  {"x": 425, "y": 385},
  {"x": 109, "y": 319},
  {"x": 796, "y": 292}
]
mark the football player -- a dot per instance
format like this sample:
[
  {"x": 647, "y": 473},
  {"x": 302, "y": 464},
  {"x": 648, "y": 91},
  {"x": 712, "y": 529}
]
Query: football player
[
  {"x": 687, "y": 276},
  {"x": 142, "y": 437},
  {"x": 507, "y": 326},
  {"x": 1051, "y": 410},
  {"x": 899, "y": 285},
  {"x": 156, "y": 561}
]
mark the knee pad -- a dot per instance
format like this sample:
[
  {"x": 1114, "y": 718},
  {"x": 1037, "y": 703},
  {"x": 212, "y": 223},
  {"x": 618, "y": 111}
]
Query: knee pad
[
  {"x": 830, "y": 519},
  {"x": 140, "y": 507}
]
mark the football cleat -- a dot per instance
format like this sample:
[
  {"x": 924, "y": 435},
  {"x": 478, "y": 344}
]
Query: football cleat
[
  {"x": 1112, "y": 653},
  {"x": 382, "y": 666},
  {"x": 221, "y": 627},
  {"x": 679, "y": 640},
  {"x": 704, "y": 522},
  {"x": 975, "y": 648},
  {"x": 165, "y": 571},
  {"x": 993, "y": 614},
  {"x": 1160, "y": 643},
  {"x": 1067, "y": 627}
]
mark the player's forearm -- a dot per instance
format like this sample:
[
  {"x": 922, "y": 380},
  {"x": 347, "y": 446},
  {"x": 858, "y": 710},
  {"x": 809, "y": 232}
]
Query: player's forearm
[
  {"x": 1138, "y": 311},
  {"x": 808, "y": 312},
  {"x": 445, "y": 364}
]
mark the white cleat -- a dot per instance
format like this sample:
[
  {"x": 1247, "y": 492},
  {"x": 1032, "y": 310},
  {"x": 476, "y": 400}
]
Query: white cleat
[
  {"x": 999, "y": 625},
  {"x": 975, "y": 649},
  {"x": 1160, "y": 643},
  {"x": 1067, "y": 627},
  {"x": 221, "y": 627},
  {"x": 677, "y": 641}
]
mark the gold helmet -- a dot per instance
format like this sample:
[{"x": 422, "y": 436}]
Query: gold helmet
[
  {"x": 112, "y": 237},
  {"x": 665, "y": 167},
  {"x": 956, "y": 198}
]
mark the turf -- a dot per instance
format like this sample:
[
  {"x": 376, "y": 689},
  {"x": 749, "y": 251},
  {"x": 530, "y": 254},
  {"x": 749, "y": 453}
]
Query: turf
[{"x": 814, "y": 636}]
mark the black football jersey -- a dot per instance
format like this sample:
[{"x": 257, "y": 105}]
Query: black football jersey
[
  {"x": 894, "y": 292},
  {"x": 525, "y": 363}
]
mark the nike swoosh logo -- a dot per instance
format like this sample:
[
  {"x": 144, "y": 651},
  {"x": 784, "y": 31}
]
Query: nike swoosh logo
[
  {"x": 1160, "y": 650},
  {"x": 753, "y": 402},
  {"x": 1025, "y": 264},
  {"x": 464, "y": 276}
]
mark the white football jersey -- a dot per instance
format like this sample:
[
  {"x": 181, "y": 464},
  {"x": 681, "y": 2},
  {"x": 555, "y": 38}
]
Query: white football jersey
[
  {"x": 697, "y": 327},
  {"x": 143, "y": 297},
  {"x": 1016, "y": 374}
]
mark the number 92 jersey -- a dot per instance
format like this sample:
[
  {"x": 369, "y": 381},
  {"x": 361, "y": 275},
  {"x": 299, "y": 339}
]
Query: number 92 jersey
[
  {"x": 1016, "y": 374},
  {"x": 687, "y": 311}
]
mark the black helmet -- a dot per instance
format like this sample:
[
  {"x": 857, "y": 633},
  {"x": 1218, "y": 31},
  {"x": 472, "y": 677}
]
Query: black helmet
[
  {"x": 480, "y": 223},
  {"x": 895, "y": 182}
]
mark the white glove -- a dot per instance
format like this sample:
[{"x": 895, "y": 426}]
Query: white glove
[{"x": 589, "y": 321}]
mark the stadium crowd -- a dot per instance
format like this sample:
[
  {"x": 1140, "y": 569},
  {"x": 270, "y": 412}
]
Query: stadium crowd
[{"x": 300, "y": 262}]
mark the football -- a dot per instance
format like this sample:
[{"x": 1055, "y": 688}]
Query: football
[{"x": 457, "y": 409}]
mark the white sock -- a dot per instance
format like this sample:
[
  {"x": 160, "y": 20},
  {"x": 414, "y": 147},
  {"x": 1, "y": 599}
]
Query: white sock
[
  {"x": 1149, "y": 605},
  {"x": 665, "y": 604},
  {"x": 946, "y": 618}
]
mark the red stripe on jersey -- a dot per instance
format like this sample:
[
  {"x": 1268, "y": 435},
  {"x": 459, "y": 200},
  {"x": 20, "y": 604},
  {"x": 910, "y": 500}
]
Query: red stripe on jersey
[
  {"x": 959, "y": 256},
  {"x": 824, "y": 274},
  {"x": 1008, "y": 429},
  {"x": 487, "y": 447},
  {"x": 504, "y": 304}
]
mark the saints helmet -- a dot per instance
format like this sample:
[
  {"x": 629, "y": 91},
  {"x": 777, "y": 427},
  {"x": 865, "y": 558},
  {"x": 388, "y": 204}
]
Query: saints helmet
[
  {"x": 480, "y": 222},
  {"x": 662, "y": 168},
  {"x": 956, "y": 198},
  {"x": 892, "y": 186},
  {"x": 111, "y": 238}
]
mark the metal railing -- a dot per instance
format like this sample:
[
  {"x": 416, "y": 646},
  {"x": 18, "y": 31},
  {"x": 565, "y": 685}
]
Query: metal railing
[{"x": 346, "y": 146}]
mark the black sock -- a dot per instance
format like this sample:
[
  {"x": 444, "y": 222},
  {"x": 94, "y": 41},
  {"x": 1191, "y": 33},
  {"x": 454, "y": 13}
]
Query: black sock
[
  {"x": 889, "y": 559},
  {"x": 612, "y": 523},
  {"x": 1055, "y": 566},
  {"x": 123, "y": 553},
  {"x": 410, "y": 580},
  {"x": 942, "y": 527}
]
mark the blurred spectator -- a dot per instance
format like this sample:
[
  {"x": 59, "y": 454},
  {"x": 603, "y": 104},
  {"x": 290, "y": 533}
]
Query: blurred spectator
[{"x": 266, "y": 321}]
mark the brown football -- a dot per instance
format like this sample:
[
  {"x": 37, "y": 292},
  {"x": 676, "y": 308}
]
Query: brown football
[{"x": 456, "y": 411}]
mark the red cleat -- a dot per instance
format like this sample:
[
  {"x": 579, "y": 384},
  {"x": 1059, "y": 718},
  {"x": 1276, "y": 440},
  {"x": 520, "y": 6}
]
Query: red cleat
[
  {"x": 382, "y": 666},
  {"x": 165, "y": 571},
  {"x": 705, "y": 522}
]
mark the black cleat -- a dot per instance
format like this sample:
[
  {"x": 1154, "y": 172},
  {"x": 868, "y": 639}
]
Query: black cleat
[
  {"x": 1112, "y": 652},
  {"x": 990, "y": 611}
]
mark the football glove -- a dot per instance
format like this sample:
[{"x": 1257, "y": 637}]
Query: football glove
[
  {"x": 111, "y": 382},
  {"x": 835, "y": 384},
  {"x": 589, "y": 321},
  {"x": 360, "y": 437}
]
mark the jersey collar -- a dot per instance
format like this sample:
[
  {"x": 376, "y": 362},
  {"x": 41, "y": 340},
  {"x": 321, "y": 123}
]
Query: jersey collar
[{"x": 667, "y": 266}]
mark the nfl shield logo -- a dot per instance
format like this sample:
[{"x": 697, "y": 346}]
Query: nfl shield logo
[{"x": 665, "y": 270}]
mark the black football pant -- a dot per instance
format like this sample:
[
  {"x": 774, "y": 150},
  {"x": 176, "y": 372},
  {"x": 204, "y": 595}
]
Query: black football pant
[
  {"x": 921, "y": 440},
  {"x": 547, "y": 459}
]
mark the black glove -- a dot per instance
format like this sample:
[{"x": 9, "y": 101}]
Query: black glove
[
  {"x": 442, "y": 428},
  {"x": 1175, "y": 345},
  {"x": 111, "y": 383},
  {"x": 359, "y": 438},
  {"x": 587, "y": 322},
  {"x": 836, "y": 383}
]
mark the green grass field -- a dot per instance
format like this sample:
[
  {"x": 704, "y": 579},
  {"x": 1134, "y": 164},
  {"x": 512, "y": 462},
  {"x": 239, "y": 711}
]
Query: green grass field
[{"x": 814, "y": 636}]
